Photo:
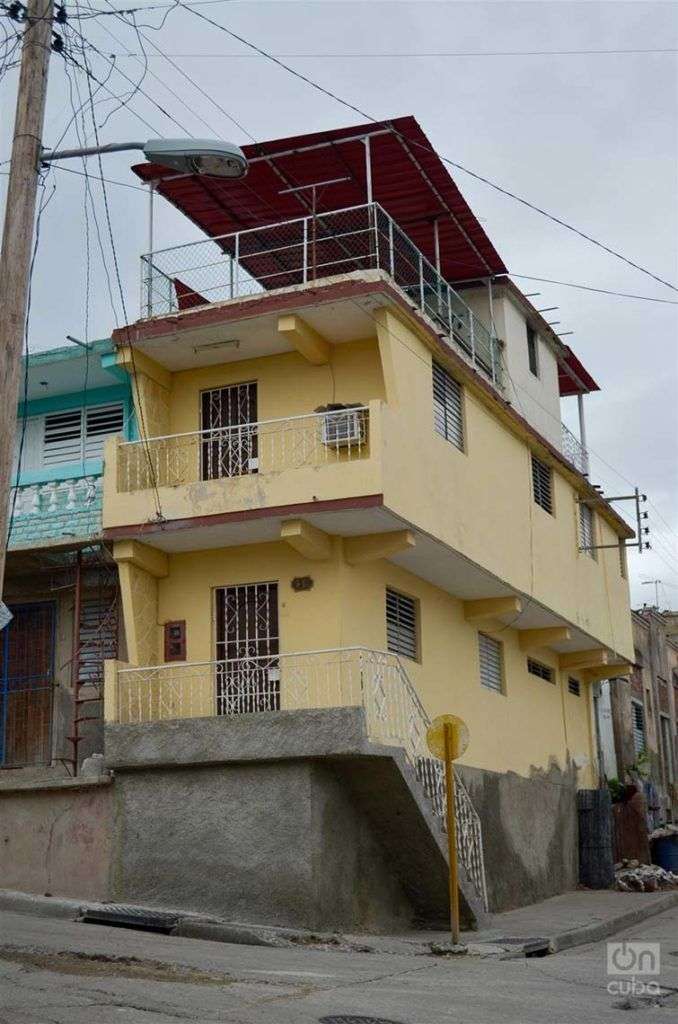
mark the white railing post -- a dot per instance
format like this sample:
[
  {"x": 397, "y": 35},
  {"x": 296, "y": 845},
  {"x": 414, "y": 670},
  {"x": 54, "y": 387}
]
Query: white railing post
[
  {"x": 421, "y": 282},
  {"x": 472, "y": 334},
  {"x": 237, "y": 263},
  {"x": 390, "y": 246},
  {"x": 304, "y": 251}
]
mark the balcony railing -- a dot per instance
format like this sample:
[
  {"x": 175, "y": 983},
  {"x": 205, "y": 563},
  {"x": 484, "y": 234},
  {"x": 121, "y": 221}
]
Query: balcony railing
[
  {"x": 56, "y": 509},
  {"x": 345, "y": 677},
  {"x": 574, "y": 451},
  {"x": 296, "y": 252},
  {"x": 270, "y": 446}
]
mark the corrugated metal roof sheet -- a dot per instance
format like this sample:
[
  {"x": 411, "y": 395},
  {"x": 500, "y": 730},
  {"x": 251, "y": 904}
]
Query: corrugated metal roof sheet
[{"x": 408, "y": 179}]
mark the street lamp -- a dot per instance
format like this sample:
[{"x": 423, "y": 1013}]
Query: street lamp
[{"x": 188, "y": 156}]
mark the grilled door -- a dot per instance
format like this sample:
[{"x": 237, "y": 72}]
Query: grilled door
[
  {"x": 248, "y": 674},
  {"x": 26, "y": 678},
  {"x": 229, "y": 446}
]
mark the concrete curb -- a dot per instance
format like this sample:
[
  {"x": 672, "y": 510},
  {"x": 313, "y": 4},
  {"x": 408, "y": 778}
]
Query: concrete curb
[
  {"x": 198, "y": 926},
  {"x": 595, "y": 932}
]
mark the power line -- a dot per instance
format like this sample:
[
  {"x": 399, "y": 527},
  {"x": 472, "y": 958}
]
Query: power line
[
  {"x": 152, "y": 73},
  {"x": 142, "y": 425},
  {"x": 452, "y": 163},
  {"x": 136, "y": 85},
  {"x": 415, "y": 56},
  {"x": 590, "y": 288},
  {"x": 195, "y": 85}
]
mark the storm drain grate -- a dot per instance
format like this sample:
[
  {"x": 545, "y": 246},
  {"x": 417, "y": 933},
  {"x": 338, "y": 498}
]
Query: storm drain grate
[
  {"x": 357, "y": 1020},
  {"x": 117, "y": 916}
]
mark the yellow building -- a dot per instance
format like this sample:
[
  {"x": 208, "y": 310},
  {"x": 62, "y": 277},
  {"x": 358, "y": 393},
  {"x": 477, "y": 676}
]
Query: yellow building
[{"x": 352, "y": 487}]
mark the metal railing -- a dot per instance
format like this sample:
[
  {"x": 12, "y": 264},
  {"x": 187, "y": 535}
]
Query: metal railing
[
  {"x": 344, "y": 677},
  {"x": 573, "y": 450},
  {"x": 295, "y": 252},
  {"x": 269, "y": 446}
]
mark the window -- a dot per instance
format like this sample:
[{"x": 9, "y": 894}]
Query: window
[
  {"x": 401, "y": 624},
  {"x": 638, "y": 723},
  {"x": 622, "y": 559},
  {"x": 79, "y": 433},
  {"x": 447, "y": 409},
  {"x": 533, "y": 351},
  {"x": 587, "y": 536},
  {"x": 541, "y": 484},
  {"x": 491, "y": 663},
  {"x": 537, "y": 668},
  {"x": 667, "y": 749},
  {"x": 573, "y": 686}
]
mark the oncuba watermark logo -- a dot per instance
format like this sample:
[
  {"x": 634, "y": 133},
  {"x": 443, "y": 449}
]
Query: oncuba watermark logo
[{"x": 632, "y": 962}]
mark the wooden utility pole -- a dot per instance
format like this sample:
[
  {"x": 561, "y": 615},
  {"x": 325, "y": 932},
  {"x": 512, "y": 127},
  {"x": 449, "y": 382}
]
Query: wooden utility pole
[{"x": 17, "y": 237}]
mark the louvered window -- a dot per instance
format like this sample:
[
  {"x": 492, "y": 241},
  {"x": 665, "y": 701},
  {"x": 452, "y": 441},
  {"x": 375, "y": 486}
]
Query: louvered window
[
  {"x": 532, "y": 351},
  {"x": 573, "y": 686},
  {"x": 541, "y": 484},
  {"x": 401, "y": 624},
  {"x": 447, "y": 409},
  {"x": 80, "y": 434},
  {"x": 638, "y": 718},
  {"x": 491, "y": 662},
  {"x": 537, "y": 668},
  {"x": 102, "y": 421},
  {"x": 586, "y": 529}
]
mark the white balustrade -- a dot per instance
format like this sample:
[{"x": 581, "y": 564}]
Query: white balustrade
[
  {"x": 53, "y": 496},
  {"x": 270, "y": 446}
]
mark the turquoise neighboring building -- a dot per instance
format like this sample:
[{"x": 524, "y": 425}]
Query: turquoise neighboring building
[
  {"x": 61, "y": 583},
  {"x": 75, "y": 399}
]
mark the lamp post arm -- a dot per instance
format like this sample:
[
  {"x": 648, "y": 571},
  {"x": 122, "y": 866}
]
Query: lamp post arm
[{"x": 47, "y": 156}]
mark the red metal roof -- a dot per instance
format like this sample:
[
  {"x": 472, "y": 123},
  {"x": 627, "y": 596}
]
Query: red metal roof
[
  {"x": 408, "y": 179},
  {"x": 584, "y": 382}
]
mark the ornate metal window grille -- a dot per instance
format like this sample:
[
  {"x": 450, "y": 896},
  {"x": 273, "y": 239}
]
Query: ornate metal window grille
[
  {"x": 248, "y": 647},
  {"x": 230, "y": 444}
]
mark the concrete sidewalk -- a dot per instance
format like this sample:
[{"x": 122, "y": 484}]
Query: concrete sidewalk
[{"x": 572, "y": 919}]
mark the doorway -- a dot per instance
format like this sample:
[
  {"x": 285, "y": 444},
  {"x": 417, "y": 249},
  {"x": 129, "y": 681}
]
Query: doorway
[{"x": 248, "y": 647}]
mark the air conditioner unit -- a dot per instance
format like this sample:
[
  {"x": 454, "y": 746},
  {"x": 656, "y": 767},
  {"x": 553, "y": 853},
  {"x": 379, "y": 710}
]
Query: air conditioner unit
[{"x": 343, "y": 427}]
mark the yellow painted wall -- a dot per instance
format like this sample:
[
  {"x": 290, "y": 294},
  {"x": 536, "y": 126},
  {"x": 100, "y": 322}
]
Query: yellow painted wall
[
  {"x": 480, "y": 502},
  {"x": 527, "y": 726}
]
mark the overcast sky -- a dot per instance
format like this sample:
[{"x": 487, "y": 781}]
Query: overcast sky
[{"x": 590, "y": 137}]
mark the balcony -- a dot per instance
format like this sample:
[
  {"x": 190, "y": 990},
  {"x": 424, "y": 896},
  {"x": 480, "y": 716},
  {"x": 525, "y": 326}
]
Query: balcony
[
  {"x": 345, "y": 677},
  {"x": 574, "y": 451},
  {"x": 299, "y": 252},
  {"x": 57, "y": 510},
  {"x": 267, "y": 447}
]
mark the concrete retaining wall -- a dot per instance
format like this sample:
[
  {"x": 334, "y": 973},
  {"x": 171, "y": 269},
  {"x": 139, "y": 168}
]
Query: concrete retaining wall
[
  {"x": 530, "y": 833},
  {"x": 276, "y": 843},
  {"x": 57, "y": 838}
]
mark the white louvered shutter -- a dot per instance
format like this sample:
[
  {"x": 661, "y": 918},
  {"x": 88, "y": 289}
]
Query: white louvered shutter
[
  {"x": 102, "y": 421},
  {"x": 62, "y": 438}
]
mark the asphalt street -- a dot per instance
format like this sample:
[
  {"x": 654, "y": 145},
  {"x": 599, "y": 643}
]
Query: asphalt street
[{"x": 61, "y": 972}]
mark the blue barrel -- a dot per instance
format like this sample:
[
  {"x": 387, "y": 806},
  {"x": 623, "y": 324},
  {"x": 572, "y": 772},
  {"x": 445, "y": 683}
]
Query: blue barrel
[{"x": 665, "y": 853}]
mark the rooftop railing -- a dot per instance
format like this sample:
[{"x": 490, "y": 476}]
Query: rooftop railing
[
  {"x": 574, "y": 451},
  {"x": 296, "y": 252},
  {"x": 343, "y": 677}
]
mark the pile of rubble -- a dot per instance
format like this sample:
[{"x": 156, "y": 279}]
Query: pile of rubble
[{"x": 632, "y": 876}]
